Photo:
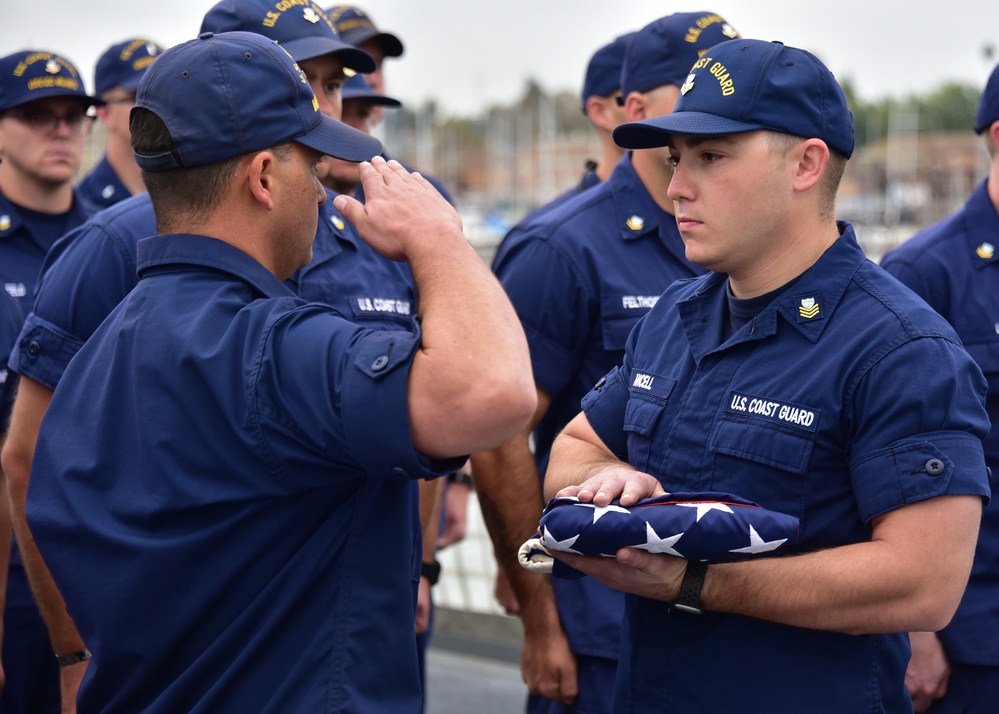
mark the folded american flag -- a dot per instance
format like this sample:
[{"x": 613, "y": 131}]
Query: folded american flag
[{"x": 715, "y": 527}]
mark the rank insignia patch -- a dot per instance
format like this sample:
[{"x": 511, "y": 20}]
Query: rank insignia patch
[{"x": 808, "y": 308}]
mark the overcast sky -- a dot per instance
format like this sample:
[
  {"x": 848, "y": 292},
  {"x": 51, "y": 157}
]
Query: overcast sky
[{"x": 471, "y": 53}]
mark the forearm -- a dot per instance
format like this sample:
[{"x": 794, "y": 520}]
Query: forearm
[
  {"x": 509, "y": 492},
  {"x": 6, "y": 530},
  {"x": 430, "y": 511},
  {"x": 910, "y": 576},
  {"x": 29, "y": 408},
  {"x": 581, "y": 465}
]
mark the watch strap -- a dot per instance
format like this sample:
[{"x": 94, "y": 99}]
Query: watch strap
[
  {"x": 431, "y": 571},
  {"x": 689, "y": 600},
  {"x": 73, "y": 658}
]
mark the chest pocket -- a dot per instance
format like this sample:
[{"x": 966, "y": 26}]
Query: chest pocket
[
  {"x": 648, "y": 395},
  {"x": 619, "y": 314},
  {"x": 771, "y": 458}
]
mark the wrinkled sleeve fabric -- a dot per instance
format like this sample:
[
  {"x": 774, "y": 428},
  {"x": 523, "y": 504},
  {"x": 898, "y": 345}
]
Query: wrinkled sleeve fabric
[
  {"x": 342, "y": 392},
  {"x": 918, "y": 419}
]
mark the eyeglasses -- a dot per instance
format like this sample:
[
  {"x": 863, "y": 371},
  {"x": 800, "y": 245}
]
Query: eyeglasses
[{"x": 46, "y": 122}]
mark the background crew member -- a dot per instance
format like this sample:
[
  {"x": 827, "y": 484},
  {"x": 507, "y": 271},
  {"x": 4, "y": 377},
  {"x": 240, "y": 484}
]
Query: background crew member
[
  {"x": 119, "y": 69},
  {"x": 580, "y": 278},
  {"x": 43, "y": 124},
  {"x": 953, "y": 266}
]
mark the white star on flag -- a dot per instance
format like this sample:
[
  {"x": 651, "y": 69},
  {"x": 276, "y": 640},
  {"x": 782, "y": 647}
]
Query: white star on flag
[
  {"x": 703, "y": 508},
  {"x": 599, "y": 511},
  {"x": 655, "y": 544},
  {"x": 758, "y": 545},
  {"x": 565, "y": 546}
]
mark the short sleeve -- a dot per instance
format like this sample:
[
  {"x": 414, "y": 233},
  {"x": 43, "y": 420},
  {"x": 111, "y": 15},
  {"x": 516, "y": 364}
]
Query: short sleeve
[
  {"x": 342, "y": 392},
  {"x": 84, "y": 278},
  {"x": 918, "y": 423}
]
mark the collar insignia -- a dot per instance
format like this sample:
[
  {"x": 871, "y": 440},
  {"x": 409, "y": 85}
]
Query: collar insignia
[
  {"x": 808, "y": 308},
  {"x": 337, "y": 222},
  {"x": 985, "y": 251},
  {"x": 4, "y": 222},
  {"x": 635, "y": 223}
]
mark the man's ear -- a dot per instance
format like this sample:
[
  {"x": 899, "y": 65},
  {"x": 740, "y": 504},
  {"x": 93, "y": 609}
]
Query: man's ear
[
  {"x": 811, "y": 157},
  {"x": 635, "y": 108},
  {"x": 600, "y": 112},
  {"x": 260, "y": 178}
]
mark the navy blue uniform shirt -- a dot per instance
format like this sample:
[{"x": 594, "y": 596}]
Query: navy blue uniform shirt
[
  {"x": 237, "y": 469},
  {"x": 589, "y": 180},
  {"x": 833, "y": 406},
  {"x": 102, "y": 188},
  {"x": 954, "y": 266},
  {"x": 23, "y": 247},
  {"x": 579, "y": 279}
]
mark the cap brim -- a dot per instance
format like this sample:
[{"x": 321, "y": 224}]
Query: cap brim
[
  {"x": 655, "y": 132},
  {"x": 56, "y": 93},
  {"x": 391, "y": 45},
  {"x": 308, "y": 48},
  {"x": 340, "y": 141},
  {"x": 371, "y": 96}
]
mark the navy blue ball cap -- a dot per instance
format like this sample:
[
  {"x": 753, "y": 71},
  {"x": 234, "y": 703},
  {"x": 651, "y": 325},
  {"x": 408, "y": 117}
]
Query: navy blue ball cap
[
  {"x": 226, "y": 95},
  {"x": 35, "y": 74},
  {"x": 988, "y": 106},
  {"x": 603, "y": 73},
  {"x": 356, "y": 27},
  {"x": 664, "y": 50},
  {"x": 357, "y": 87},
  {"x": 302, "y": 28},
  {"x": 745, "y": 85},
  {"x": 122, "y": 65}
]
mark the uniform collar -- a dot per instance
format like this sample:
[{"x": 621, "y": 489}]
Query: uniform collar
[
  {"x": 635, "y": 213},
  {"x": 11, "y": 219},
  {"x": 981, "y": 223},
  {"x": 806, "y": 306},
  {"x": 170, "y": 251}
]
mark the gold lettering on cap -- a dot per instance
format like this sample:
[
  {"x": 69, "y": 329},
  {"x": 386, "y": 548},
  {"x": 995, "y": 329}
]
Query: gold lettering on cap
[{"x": 724, "y": 79}]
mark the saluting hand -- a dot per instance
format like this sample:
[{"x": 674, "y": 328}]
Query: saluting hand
[{"x": 402, "y": 210}]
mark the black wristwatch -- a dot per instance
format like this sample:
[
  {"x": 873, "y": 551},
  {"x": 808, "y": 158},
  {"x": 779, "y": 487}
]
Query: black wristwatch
[
  {"x": 431, "y": 571},
  {"x": 74, "y": 658},
  {"x": 690, "y": 590}
]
